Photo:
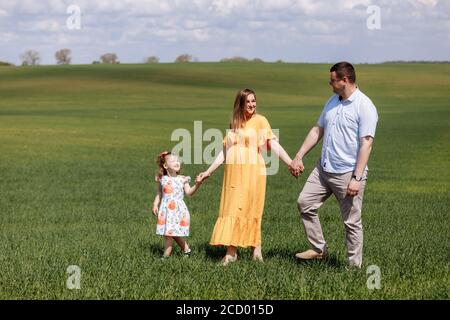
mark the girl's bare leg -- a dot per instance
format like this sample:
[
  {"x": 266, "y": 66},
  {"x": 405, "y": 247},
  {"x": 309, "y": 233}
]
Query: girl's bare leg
[
  {"x": 168, "y": 246},
  {"x": 182, "y": 243}
]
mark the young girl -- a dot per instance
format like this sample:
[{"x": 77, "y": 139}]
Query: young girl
[{"x": 173, "y": 215}]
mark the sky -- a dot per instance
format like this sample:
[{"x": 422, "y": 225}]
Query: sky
[{"x": 359, "y": 31}]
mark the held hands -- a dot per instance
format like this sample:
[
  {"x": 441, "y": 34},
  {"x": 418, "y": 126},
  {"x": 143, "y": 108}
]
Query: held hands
[
  {"x": 202, "y": 177},
  {"x": 296, "y": 167}
]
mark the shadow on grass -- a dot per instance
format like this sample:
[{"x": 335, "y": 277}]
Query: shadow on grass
[
  {"x": 332, "y": 261},
  {"x": 212, "y": 253},
  {"x": 288, "y": 256},
  {"x": 216, "y": 253},
  {"x": 280, "y": 253},
  {"x": 155, "y": 250}
]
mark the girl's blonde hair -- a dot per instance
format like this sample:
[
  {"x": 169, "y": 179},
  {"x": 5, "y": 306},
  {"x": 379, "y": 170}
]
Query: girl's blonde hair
[
  {"x": 238, "y": 118},
  {"x": 160, "y": 161}
]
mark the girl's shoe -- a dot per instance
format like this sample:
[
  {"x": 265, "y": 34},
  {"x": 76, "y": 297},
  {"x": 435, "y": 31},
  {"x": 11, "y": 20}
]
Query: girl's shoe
[
  {"x": 228, "y": 259},
  {"x": 187, "y": 254},
  {"x": 164, "y": 258}
]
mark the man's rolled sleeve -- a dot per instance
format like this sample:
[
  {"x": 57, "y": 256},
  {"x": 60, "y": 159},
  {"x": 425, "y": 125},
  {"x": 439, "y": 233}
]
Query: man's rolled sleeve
[
  {"x": 368, "y": 119},
  {"x": 321, "y": 121}
]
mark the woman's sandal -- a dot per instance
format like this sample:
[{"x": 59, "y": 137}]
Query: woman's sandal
[
  {"x": 258, "y": 258},
  {"x": 228, "y": 259}
]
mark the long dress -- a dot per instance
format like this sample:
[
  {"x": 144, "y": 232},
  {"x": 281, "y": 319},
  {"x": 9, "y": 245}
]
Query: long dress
[{"x": 244, "y": 186}]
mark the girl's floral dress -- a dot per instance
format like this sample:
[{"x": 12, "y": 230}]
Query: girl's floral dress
[{"x": 173, "y": 214}]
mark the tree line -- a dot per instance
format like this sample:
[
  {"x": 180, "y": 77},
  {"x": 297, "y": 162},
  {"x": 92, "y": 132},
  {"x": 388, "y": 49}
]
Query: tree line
[{"x": 64, "y": 57}]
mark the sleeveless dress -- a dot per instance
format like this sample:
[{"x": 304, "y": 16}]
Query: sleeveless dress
[
  {"x": 244, "y": 186},
  {"x": 173, "y": 214}
]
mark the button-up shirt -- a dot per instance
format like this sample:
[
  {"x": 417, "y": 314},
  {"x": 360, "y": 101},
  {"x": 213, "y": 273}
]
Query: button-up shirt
[{"x": 345, "y": 122}]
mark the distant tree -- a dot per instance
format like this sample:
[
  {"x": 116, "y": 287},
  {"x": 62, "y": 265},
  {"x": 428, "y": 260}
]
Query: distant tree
[
  {"x": 414, "y": 61},
  {"x": 152, "y": 59},
  {"x": 109, "y": 58},
  {"x": 185, "y": 58},
  {"x": 30, "y": 58},
  {"x": 95, "y": 62},
  {"x": 258, "y": 60},
  {"x": 5, "y": 64},
  {"x": 235, "y": 59},
  {"x": 63, "y": 56},
  {"x": 279, "y": 61}
]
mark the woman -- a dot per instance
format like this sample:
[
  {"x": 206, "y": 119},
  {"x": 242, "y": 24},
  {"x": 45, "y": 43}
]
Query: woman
[{"x": 244, "y": 183}]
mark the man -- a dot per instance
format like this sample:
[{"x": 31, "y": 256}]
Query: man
[{"x": 347, "y": 124}]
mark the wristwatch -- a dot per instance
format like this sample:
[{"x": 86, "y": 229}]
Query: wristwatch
[{"x": 358, "y": 178}]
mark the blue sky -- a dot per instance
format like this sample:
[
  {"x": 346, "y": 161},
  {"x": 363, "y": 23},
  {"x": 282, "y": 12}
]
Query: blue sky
[{"x": 291, "y": 30}]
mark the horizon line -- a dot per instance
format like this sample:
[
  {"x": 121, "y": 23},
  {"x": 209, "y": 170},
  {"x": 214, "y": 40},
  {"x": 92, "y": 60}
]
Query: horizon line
[{"x": 6, "y": 64}]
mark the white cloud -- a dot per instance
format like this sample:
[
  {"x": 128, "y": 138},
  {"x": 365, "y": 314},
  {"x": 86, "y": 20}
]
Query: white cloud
[
  {"x": 47, "y": 26},
  {"x": 431, "y": 3},
  {"x": 225, "y": 8},
  {"x": 32, "y": 7},
  {"x": 7, "y": 37},
  {"x": 200, "y": 35},
  {"x": 195, "y": 24}
]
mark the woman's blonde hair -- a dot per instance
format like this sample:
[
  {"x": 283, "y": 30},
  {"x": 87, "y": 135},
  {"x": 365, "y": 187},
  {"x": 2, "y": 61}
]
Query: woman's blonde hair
[{"x": 238, "y": 118}]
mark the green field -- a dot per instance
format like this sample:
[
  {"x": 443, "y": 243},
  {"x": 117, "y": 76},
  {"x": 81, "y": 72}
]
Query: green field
[{"x": 77, "y": 149}]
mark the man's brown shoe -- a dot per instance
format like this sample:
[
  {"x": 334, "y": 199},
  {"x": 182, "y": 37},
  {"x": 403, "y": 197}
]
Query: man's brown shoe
[{"x": 311, "y": 255}]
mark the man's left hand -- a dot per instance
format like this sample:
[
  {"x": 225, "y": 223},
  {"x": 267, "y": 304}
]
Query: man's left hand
[{"x": 353, "y": 188}]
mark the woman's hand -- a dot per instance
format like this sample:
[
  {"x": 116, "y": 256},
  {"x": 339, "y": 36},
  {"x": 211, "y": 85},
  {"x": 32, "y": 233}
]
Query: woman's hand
[
  {"x": 296, "y": 167},
  {"x": 155, "y": 211},
  {"x": 202, "y": 177}
]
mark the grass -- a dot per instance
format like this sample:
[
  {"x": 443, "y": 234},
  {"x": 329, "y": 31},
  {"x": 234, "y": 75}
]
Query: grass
[{"x": 77, "y": 145}]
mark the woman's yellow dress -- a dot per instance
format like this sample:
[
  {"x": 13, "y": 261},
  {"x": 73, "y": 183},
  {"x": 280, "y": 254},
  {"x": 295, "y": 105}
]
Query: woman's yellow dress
[{"x": 244, "y": 185}]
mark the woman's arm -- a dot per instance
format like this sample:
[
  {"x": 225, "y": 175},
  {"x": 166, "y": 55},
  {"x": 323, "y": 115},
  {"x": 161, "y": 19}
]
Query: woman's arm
[
  {"x": 213, "y": 167},
  {"x": 279, "y": 151}
]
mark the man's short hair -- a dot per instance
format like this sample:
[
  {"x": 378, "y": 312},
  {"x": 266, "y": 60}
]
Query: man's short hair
[{"x": 344, "y": 69}]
